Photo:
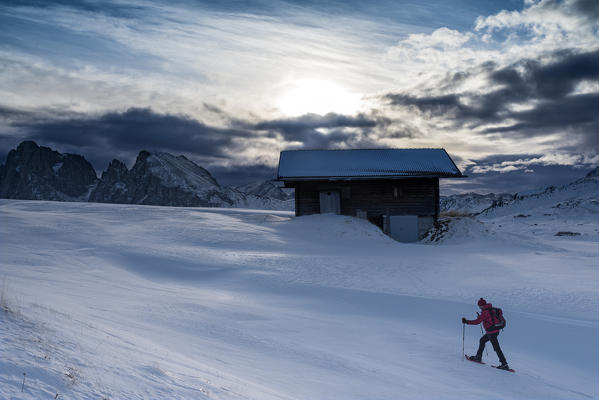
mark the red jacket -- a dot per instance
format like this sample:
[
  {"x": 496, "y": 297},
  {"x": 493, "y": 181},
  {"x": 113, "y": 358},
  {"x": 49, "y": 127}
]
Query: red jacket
[{"x": 486, "y": 318}]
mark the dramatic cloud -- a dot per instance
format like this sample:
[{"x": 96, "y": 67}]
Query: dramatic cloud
[
  {"x": 115, "y": 134},
  {"x": 524, "y": 81},
  {"x": 520, "y": 83},
  {"x": 231, "y": 85}
]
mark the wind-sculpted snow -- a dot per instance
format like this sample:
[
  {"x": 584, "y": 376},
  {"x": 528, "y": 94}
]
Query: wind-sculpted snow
[{"x": 137, "y": 302}]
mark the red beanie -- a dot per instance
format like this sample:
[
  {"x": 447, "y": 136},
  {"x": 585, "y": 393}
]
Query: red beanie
[{"x": 481, "y": 302}]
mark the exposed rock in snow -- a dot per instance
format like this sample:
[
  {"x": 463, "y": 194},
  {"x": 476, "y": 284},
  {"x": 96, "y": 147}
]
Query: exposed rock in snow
[
  {"x": 112, "y": 186},
  {"x": 471, "y": 203},
  {"x": 268, "y": 188},
  {"x": 581, "y": 195}
]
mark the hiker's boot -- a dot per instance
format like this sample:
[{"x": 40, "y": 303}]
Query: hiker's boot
[
  {"x": 475, "y": 358},
  {"x": 504, "y": 366}
]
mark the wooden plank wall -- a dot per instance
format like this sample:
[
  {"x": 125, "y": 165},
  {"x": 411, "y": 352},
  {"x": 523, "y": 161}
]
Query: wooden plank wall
[{"x": 415, "y": 196}]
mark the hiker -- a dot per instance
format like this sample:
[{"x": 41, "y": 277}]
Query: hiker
[{"x": 492, "y": 324}]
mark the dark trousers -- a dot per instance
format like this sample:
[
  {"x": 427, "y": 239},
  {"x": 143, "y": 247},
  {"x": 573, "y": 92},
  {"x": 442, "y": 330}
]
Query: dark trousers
[{"x": 490, "y": 337}]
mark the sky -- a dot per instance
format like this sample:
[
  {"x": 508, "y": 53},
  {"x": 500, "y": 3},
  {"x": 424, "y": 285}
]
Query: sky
[{"x": 509, "y": 88}]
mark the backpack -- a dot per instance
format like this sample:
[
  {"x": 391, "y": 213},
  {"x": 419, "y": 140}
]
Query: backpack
[{"x": 497, "y": 315}]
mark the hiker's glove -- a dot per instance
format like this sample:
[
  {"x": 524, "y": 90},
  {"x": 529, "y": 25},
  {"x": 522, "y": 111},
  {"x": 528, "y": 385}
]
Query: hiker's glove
[{"x": 464, "y": 321}]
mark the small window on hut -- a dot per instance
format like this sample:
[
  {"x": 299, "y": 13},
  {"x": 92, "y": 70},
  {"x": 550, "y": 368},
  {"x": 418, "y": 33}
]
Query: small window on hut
[{"x": 396, "y": 192}]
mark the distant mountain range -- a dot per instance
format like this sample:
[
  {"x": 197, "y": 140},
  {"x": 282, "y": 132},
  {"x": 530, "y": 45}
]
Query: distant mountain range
[
  {"x": 35, "y": 172},
  {"x": 582, "y": 193}
]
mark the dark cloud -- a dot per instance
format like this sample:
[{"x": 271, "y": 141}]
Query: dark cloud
[
  {"x": 579, "y": 111},
  {"x": 124, "y": 134},
  {"x": 520, "y": 82},
  {"x": 587, "y": 8},
  {"x": 323, "y": 131},
  {"x": 558, "y": 79},
  {"x": 11, "y": 114},
  {"x": 137, "y": 128},
  {"x": 548, "y": 88},
  {"x": 295, "y": 125},
  {"x": 436, "y": 105}
]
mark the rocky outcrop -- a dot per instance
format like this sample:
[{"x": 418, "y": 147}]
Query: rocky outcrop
[
  {"x": 112, "y": 187},
  {"x": 160, "y": 179},
  {"x": 472, "y": 203},
  {"x": 35, "y": 172},
  {"x": 268, "y": 189}
]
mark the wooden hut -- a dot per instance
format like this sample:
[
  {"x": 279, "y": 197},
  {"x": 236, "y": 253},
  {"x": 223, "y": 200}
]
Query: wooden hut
[{"x": 397, "y": 189}]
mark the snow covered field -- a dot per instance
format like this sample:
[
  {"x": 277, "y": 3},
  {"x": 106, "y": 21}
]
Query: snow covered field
[{"x": 137, "y": 302}]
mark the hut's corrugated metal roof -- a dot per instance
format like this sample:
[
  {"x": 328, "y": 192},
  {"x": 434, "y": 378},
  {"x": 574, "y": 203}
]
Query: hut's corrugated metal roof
[{"x": 365, "y": 164}]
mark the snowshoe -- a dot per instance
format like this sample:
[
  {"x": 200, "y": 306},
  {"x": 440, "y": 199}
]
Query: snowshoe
[
  {"x": 474, "y": 359},
  {"x": 504, "y": 367}
]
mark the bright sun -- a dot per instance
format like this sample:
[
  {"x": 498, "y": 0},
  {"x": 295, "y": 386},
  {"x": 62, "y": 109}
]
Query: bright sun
[{"x": 318, "y": 97}]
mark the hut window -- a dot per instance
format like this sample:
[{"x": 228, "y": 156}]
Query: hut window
[{"x": 395, "y": 192}]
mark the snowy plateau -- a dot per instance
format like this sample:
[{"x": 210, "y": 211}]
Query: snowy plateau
[{"x": 113, "y": 301}]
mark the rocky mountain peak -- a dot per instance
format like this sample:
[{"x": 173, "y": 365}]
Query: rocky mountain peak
[
  {"x": 180, "y": 171},
  {"x": 142, "y": 156},
  {"x": 27, "y": 147},
  {"x": 40, "y": 173},
  {"x": 116, "y": 171},
  {"x": 160, "y": 179}
]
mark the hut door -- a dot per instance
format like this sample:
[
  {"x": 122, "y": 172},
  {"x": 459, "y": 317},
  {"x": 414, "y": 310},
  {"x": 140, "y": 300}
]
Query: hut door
[{"x": 330, "y": 202}]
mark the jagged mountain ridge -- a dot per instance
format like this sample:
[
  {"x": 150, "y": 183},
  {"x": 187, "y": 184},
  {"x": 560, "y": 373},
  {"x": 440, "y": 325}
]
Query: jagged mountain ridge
[
  {"x": 583, "y": 192},
  {"x": 160, "y": 179},
  {"x": 40, "y": 173},
  {"x": 267, "y": 189},
  {"x": 581, "y": 195}
]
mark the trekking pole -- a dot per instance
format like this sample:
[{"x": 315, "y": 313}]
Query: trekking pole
[
  {"x": 481, "y": 331},
  {"x": 463, "y": 335}
]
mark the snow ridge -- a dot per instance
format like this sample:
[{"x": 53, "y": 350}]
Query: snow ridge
[{"x": 582, "y": 194}]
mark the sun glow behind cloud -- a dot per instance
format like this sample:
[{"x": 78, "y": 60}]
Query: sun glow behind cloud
[{"x": 317, "y": 96}]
